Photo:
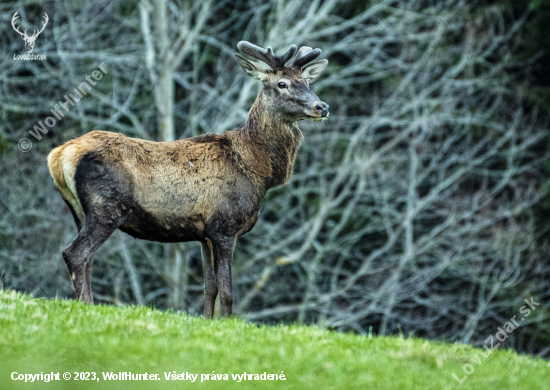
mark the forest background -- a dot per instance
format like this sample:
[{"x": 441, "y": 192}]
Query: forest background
[{"x": 420, "y": 207}]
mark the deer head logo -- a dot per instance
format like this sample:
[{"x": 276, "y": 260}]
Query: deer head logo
[{"x": 29, "y": 41}]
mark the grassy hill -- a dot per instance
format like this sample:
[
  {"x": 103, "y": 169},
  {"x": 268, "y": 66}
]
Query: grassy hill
[{"x": 41, "y": 335}]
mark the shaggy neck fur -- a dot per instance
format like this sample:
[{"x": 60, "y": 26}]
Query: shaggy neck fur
[{"x": 270, "y": 144}]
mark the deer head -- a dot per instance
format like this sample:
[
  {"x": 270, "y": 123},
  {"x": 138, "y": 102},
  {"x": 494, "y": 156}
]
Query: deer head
[
  {"x": 286, "y": 88},
  {"x": 29, "y": 41}
]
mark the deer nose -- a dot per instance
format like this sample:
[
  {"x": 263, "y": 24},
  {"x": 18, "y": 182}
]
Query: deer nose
[{"x": 321, "y": 108}]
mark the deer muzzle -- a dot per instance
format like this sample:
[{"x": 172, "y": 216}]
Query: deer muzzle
[{"x": 321, "y": 108}]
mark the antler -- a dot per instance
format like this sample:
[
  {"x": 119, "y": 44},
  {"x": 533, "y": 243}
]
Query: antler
[
  {"x": 266, "y": 55},
  {"x": 305, "y": 55},
  {"x": 43, "y": 27},
  {"x": 17, "y": 28}
]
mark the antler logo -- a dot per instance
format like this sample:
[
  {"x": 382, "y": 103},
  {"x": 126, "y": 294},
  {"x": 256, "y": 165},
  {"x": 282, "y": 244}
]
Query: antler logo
[{"x": 29, "y": 41}]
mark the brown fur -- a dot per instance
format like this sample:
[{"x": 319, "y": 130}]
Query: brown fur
[{"x": 207, "y": 188}]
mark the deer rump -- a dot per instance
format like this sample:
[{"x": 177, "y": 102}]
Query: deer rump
[{"x": 164, "y": 191}]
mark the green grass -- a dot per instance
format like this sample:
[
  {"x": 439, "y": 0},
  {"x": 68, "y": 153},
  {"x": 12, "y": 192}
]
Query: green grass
[{"x": 41, "y": 335}]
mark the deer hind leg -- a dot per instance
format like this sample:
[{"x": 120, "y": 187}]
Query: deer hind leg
[
  {"x": 102, "y": 192},
  {"x": 79, "y": 255},
  {"x": 210, "y": 284},
  {"x": 77, "y": 221},
  {"x": 89, "y": 276}
]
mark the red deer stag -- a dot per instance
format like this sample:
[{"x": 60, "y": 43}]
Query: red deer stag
[{"x": 208, "y": 188}]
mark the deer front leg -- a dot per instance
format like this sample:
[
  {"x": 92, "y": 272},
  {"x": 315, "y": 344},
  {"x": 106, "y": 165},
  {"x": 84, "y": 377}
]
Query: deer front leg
[
  {"x": 223, "y": 254},
  {"x": 210, "y": 284}
]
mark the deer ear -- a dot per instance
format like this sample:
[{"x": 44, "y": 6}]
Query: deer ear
[
  {"x": 311, "y": 72},
  {"x": 252, "y": 69}
]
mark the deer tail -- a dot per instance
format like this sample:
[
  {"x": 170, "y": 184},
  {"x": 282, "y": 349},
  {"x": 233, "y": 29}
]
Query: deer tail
[{"x": 62, "y": 163}]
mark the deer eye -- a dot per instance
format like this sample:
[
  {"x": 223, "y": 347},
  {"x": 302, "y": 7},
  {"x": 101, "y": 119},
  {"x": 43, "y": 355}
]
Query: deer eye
[{"x": 281, "y": 85}]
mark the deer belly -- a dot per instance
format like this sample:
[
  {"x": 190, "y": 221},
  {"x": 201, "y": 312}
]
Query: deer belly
[{"x": 163, "y": 228}]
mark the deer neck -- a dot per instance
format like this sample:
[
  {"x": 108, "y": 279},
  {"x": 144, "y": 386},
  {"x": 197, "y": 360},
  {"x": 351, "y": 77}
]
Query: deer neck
[{"x": 271, "y": 142}]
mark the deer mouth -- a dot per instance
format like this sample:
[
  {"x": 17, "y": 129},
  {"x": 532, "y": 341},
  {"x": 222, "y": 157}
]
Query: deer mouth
[
  {"x": 319, "y": 117},
  {"x": 318, "y": 111}
]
